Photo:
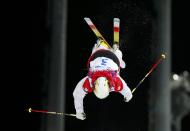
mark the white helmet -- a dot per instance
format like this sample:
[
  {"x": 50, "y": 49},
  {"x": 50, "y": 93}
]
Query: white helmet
[{"x": 101, "y": 89}]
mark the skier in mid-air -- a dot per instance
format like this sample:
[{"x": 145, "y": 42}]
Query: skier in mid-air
[{"x": 103, "y": 72}]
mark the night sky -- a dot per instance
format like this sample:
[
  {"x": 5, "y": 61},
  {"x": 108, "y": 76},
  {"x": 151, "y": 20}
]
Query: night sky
[{"x": 136, "y": 17}]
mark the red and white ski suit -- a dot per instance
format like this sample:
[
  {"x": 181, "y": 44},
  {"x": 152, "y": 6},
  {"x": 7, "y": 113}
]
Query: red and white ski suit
[{"x": 101, "y": 63}]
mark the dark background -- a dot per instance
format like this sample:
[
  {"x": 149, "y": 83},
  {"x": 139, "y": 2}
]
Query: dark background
[{"x": 137, "y": 18}]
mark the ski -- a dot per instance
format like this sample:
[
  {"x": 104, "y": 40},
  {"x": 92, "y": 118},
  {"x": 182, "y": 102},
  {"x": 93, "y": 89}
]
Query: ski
[
  {"x": 116, "y": 28},
  {"x": 95, "y": 30}
]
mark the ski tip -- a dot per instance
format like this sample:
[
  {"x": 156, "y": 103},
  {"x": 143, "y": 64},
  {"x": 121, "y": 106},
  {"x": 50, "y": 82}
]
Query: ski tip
[
  {"x": 86, "y": 18},
  {"x": 116, "y": 19}
]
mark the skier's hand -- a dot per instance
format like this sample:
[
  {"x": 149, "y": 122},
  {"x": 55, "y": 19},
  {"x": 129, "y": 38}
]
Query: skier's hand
[
  {"x": 127, "y": 98},
  {"x": 81, "y": 116}
]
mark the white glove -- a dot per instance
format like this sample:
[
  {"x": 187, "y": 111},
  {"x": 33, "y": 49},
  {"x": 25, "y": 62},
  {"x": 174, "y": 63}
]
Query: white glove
[
  {"x": 81, "y": 116},
  {"x": 127, "y": 98}
]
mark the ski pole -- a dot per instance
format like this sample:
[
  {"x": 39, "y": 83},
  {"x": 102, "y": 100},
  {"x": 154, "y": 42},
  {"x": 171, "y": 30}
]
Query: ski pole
[
  {"x": 163, "y": 56},
  {"x": 50, "y": 112}
]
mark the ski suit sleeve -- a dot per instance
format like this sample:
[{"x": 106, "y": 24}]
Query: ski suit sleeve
[
  {"x": 126, "y": 91},
  {"x": 79, "y": 95}
]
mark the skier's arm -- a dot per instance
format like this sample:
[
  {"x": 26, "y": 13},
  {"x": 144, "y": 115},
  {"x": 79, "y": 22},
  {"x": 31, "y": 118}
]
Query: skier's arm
[
  {"x": 79, "y": 95},
  {"x": 126, "y": 91}
]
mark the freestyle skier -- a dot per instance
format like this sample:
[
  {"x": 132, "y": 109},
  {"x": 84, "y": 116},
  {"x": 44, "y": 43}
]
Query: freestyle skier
[{"x": 103, "y": 72}]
